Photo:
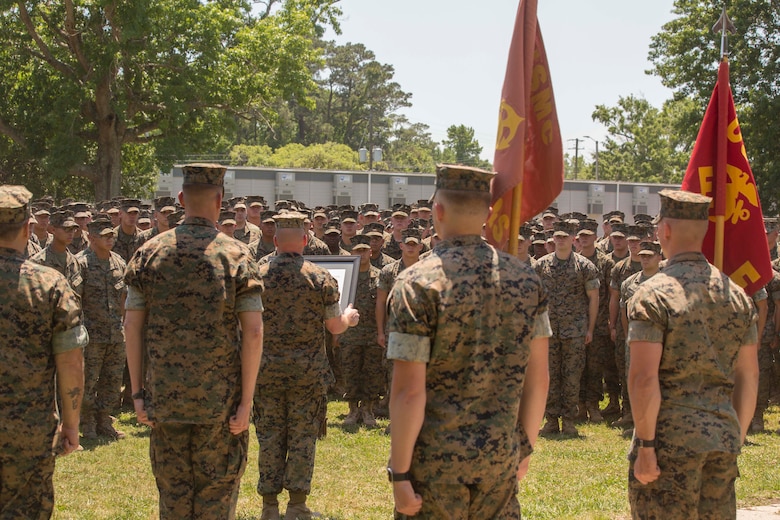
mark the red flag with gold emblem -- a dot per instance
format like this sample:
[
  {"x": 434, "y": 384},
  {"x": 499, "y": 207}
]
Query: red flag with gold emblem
[
  {"x": 719, "y": 168},
  {"x": 529, "y": 149}
]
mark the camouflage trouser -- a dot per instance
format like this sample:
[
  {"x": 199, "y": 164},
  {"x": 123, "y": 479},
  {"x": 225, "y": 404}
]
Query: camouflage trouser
[
  {"x": 567, "y": 361},
  {"x": 596, "y": 352},
  {"x": 621, "y": 360},
  {"x": 700, "y": 486},
  {"x": 26, "y": 488},
  {"x": 334, "y": 358},
  {"x": 765, "y": 377},
  {"x": 288, "y": 422},
  {"x": 451, "y": 501},
  {"x": 364, "y": 372},
  {"x": 103, "y": 365},
  {"x": 198, "y": 468}
]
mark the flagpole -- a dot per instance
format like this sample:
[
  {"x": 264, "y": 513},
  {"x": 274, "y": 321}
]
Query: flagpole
[
  {"x": 723, "y": 25},
  {"x": 514, "y": 218}
]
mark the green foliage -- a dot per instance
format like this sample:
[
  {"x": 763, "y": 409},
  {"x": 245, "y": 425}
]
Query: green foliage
[
  {"x": 81, "y": 84},
  {"x": 461, "y": 147},
  {"x": 642, "y": 144},
  {"x": 326, "y": 156},
  {"x": 685, "y": 55}
]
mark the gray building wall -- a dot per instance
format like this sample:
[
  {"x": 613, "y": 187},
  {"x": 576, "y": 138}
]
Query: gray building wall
[{"x": 321, "y": 188}]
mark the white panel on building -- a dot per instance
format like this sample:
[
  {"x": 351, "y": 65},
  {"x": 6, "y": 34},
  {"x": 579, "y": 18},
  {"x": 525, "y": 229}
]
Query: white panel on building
[
  {"x": 230, "y": 184},
  {"x": 285, "y": 185},
  {"x": 596, "y": 193},
  {"x": 640, "y": 200},
  {"x": 342, "y": 189},
  {"x": 398, "y": 190}
]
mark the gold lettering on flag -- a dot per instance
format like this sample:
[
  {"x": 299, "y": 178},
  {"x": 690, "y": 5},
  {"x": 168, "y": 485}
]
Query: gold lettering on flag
[
  {"x": 508, "y": 123},
  {"x": 745, "y": 274}
]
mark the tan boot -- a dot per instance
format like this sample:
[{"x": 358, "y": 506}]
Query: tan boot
[
  {"x": 367, "y": 411},
  {"x": 594, "y": 413},
  {"x": 353, "y": 415},
  {"x": 568, "y": 428},
  {"x": 627, "y": 421},
  {"x": 756, "y": 424},
  {"x": 270, "y": 508},
  {"x": 613, "y": 408},
  {"x": 551, "y": 426},
  {"x": 88, "y": 427},
  {"x": 297, "y": 508},
  {"x": 582, "y": 412},
  {"x": 105, "y": 427}
]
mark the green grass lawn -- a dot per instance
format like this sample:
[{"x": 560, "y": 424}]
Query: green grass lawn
[{"x": 582, "y": 478}]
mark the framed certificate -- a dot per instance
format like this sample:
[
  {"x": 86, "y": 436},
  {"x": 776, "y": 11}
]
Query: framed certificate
[{"x": 345, "y": 270}]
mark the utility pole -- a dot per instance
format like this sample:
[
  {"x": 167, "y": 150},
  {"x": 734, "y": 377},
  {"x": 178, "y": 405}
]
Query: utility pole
[{"x": 577, "y": 141}]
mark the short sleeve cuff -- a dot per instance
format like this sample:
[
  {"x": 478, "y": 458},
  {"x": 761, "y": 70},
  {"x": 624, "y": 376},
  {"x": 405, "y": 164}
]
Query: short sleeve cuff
[
  {"x": 135, "y": 300},
  {"x": 592, "y": 284},
  {"x": 751, "y": 337},
  {"x": 645, "y": 331},
  {"x": 760, "y": 295},
  {"x": 249, "y": 303},
  {"x": 542, "y": 328},
  {"x": 71, "y": 339},
  {"x": 408, "y": 347},
  {"x": 332, "y": 311}
]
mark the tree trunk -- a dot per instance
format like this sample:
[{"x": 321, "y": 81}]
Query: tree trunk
[{"x": 108, "y": 163}]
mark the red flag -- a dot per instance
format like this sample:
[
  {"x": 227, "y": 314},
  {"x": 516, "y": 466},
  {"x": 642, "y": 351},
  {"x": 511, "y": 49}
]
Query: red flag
[
  {"x": 719, "y": 168},
  {"x": 529, "y": 150}
]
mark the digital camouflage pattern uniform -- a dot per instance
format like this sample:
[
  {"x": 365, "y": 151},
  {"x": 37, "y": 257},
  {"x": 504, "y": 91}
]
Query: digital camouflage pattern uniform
[
  {"x": 290, "y": 400},
  {"x": 567, "y": 283},
  {"x": 622, "y": 270},
  {"x": 248, "y": 234},
  {"x": 64, "y": 263},
  {"x": 361, "y": 356},
  {"x": 193, "y": 282},
  {"x": 259, "y": 249},
  {"x": 702, "y": 319},
  {"x": 598, "y": 351},
  {"x": 41, "y": 318},
  {"x": 387, "y": 277},
  {"x": 79, "y": 244},
  {"x": 382, "y": 260},
  {"x": 104, "y": 359},
  {"x": 469, "y": 312},
  {"x": 767, "y": 351},
  {"x": 126, "y": 245}
]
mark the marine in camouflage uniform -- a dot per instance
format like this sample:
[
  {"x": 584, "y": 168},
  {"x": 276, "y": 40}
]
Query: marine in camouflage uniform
[
  {"x": 163, "y": 206},
  {"x": 601, "y": 348},
  {"x": 692, "y": 336},
  {"x": 572, "y": 284},
  {"x": 128, "y": 237},
  {"x": 188, "y": 290},
  {"x": 461, "y": 371},
  {"x": 622, "y": 270},
  {"x": 102, "y": 301},
  {"x": 41, "y": 332},
  {"x": 265, "y": 244},
  {"x": 767, "y": 353},
  {"x": 290, "y": 399},
  {"x": 56, "y": 254},
  {"x": 361, "y": 356},
  {"x": 375, "y": 231},
  {"x": 247, "y": 233}
]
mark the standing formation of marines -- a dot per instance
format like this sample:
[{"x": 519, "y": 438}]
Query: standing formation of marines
[{"x": 449, "y": 332}]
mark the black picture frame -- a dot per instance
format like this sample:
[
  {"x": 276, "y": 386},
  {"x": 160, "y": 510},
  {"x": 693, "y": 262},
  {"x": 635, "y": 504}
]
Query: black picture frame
[{"x": 345, "y": 270}]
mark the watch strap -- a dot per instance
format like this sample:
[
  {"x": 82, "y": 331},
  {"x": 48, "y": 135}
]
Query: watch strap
[
  {"x": 398, "y": 477},
  {"x": 641, "y": 443}
]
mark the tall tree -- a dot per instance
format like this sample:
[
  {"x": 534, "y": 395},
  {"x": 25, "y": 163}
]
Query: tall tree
[
  {"x": 685, "y": 55},
  {"x": 462, "y": 146},
  {"x": 84, "y": 81},
  {"x": 641, "y": 144}
]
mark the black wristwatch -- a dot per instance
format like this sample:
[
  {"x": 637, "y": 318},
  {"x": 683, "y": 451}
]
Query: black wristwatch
[
  {"x": 397, "y": 477},
  {"x": 641, "y": 443},
  {"x": 138, "y": 395}
]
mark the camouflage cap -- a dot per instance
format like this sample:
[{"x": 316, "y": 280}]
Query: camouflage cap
[
  {"x": 239, "y": 205},
  {"x": 255, "y": 200},
  {"x": 551, "y": 211},
  {"x": 63, "y": 219},
  {"x": 619, "y": 229},
  {"x": 227, "y": 217},
  {"x": 683, "y": 205},
  {"x": 320, "y": 211},
  {"x": 164, "y": 203},
  {"x": 130, "y": 205},
  {"x": 649, "y": 248},
  {"x": 14, "y": 204},
  {"x": 770, "y": 225},
  {"x": 636, "y": 232},
  {"x": 79, "y": 209},
  {"x": 539, "y": 237},
  {"x": 564, "y": 228},
  {"x": 374, "y": 229},
  {"x": 424, "y": 205},
  {"x": 333, "y": 226},
  {"x": 204, "y": 174},
  {"x": 175, "y": 218},
  {"x": 112, "y": 210},
  {"x": 349, "y": 216},
  {"x": 411, "y": 235},
  {"x": 267, "y": 216},
  {"x": 289, "y": 220},
  {"x": 526, "y": 232},
  {"x": 101, "y": 226},
  {"x": 145, "y": 217},
  {"x": 463, "y": 178},
  {"x": 588, "y": 227},
  {"x": 640, "y": 218},
  {"x": 361, "y": 242},
  {"x": 401, "y": 210},
  {"x": 369, "y": 209},
  {"x": 41, "y": 209}
]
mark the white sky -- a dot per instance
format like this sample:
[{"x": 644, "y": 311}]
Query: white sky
[{"x": 451, "y": 56}]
